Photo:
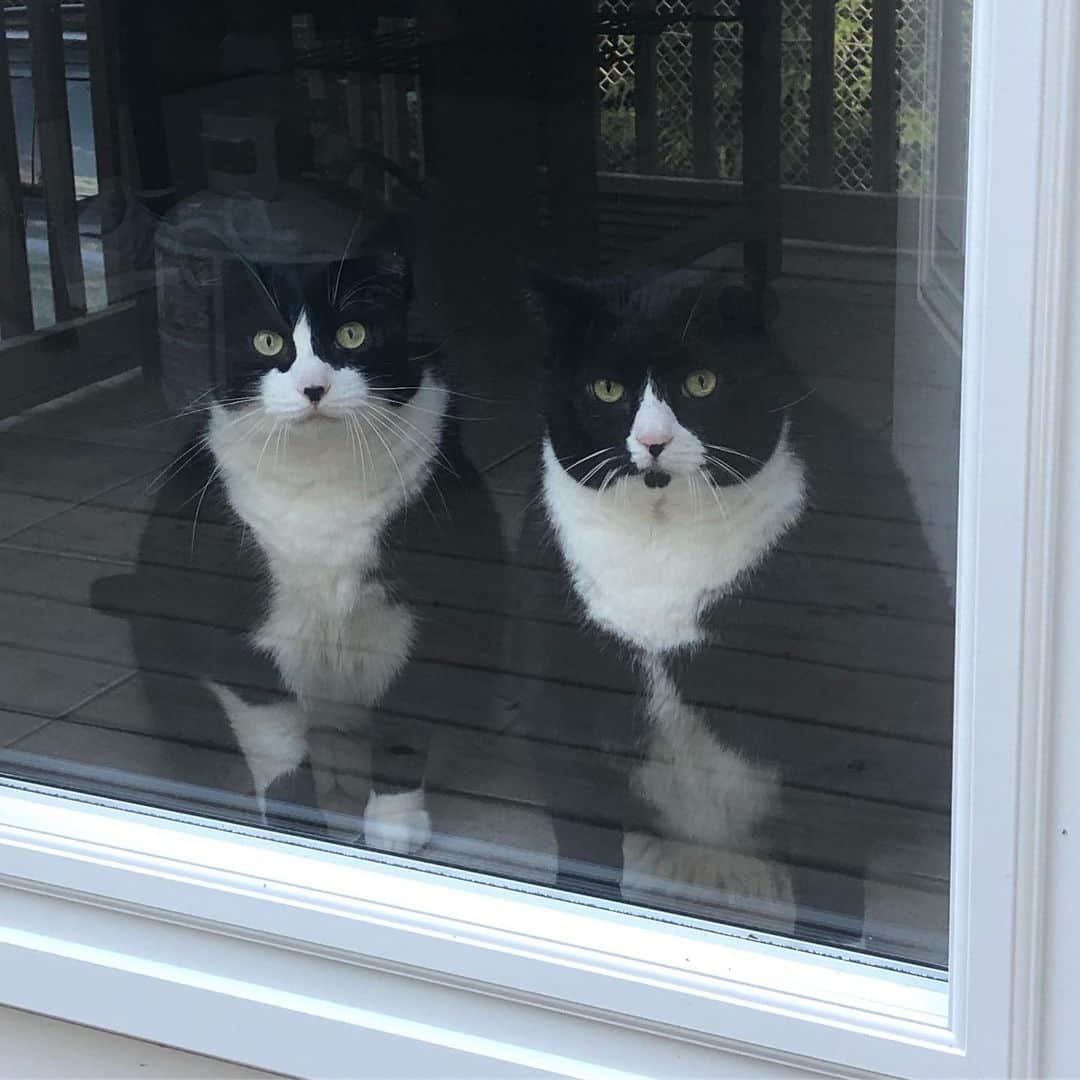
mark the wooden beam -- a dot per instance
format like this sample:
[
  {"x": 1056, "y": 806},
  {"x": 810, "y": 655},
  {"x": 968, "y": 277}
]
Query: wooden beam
[
  {"x": 569, "y": 70},
  {"x": 702, "y": 78},
  {"x": 16, "y": 310},
  {"x": 645, "y": 122},
  {"x": 883, "y": 97},
  {"x": 761, "y": 143},
  {"x": 58, "y": 173},
  {"x": 822, "y": 99},
  {"x": 59, "y": 359},
  {"x": 105, "y": 105}
]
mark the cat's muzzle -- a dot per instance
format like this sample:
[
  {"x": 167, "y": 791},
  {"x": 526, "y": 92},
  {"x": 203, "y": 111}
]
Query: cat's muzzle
[{"x": 657, "y": 478}]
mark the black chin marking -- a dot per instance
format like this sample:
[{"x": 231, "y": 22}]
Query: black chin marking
[{"x": 656, "y": 478}]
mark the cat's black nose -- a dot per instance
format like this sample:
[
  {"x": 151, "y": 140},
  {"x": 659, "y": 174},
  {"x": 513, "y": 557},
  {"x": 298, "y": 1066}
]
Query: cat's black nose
[
  {"x": 314, "y": 393},
  {"x": 657, "y": 448}
]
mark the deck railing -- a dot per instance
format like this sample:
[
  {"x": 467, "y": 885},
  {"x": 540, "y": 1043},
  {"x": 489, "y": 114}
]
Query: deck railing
[
  {"x": 662, "y": 59},
  {"x": 40, "y": 39}
]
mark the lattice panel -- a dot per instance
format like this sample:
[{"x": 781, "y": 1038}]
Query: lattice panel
[
  {"x": 673, "y": 93},
  {"x": 794, "y": 91},
  {"x": 916, "y": 49},
  {"x": 727, "y": 58},
  {"x": 615, "y": 59},
  {"x": 851, "y": 95},
  {"x": 917, "y": 74}
]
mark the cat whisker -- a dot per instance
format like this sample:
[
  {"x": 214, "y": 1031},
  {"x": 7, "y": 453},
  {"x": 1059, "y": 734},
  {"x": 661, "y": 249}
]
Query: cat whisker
[
  {"x": 717, "y": 498},
  {"x": 596, "y": 468},
  {"x": 432, "y": 351},
  {"x": 613, "y": 474},
  {"x": 737, "y": 453},
  {"x": 797, "y": 401},
  {"x": 445, "y": 413},
  {"x": 365, "y": 449},
  {"x": 587, "y": 457},
  {"x": 452, "y": 393},
  {"x": 262, "y": 453},
  {"x": 350, "y": 437},
  {"x": 371, "y": 423},
  {"x": 198, "y": 509},
  {"x": 394, "y": 422},
  {"x": 693, "y": 311},
  {"x": 191, "y": 409},
  {"x": 395, "y": 417},
  {"x": 372, "y": 417},
  {"x": 369, "y": 284},
  {"x": 279, "y": 444},
  {"x": 691, "y": 481},
  {"x": 341, "y": 264},
  {"x": 729, "y": 469},
  {"x": 176, "y": 466}
]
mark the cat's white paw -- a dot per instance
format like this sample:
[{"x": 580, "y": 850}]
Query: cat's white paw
[
  {"x": 656, "y": 867},
  {"x": 397, "y": 823}
]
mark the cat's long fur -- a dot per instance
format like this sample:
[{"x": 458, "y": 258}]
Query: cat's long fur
[{"x": 646, "y": 564}]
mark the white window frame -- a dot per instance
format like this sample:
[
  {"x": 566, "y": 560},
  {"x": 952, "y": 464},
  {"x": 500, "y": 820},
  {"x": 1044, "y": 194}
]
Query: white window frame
[{"x": 299, "y": 958}]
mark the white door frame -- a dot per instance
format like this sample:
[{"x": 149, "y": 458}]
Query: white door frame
[{"x": 300, "y": 958}]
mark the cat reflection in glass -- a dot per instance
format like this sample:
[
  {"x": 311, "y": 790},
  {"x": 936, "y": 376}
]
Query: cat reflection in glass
[
  {"x": 322, "y": 432},
  {"x": 667, "y": 477}
]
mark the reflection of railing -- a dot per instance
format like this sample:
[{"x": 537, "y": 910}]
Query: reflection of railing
[
  {"x": 42, "y": 249},
  {"x": 50, "y": 33},
  {"x": 16, "y": 309}
]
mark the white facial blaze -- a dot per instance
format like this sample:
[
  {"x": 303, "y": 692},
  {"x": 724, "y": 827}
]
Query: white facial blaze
[
  {"x": 654, "y": 421},
  {"x": 283, "y": 394},
  {"x": 307, "y": 369},
  {"x": 655, "y": 424}
]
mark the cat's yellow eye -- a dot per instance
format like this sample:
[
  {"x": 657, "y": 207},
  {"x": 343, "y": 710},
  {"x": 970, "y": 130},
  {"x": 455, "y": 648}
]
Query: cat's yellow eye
[
  {"x": 351, "y": 335},
  {"x": 608, "y": 390},
  {"x": 700, "y": 383},
  {"x": 268, "y": 343}
]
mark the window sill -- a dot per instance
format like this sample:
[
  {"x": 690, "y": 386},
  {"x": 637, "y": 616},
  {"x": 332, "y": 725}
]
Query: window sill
[{"x": 282, "y": 955}]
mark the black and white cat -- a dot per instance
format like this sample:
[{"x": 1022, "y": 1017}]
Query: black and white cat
[
  {"x": 667, "y": 477},
  {"x": 322, "y": 432}
]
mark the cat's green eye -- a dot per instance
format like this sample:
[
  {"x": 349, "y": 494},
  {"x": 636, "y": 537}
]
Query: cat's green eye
[
  {"x": 351, "y": 335},
  {"x": 608, "y": 390},
  {"x": 268, "y": 343},
  {"x": 700, "y": 383}
]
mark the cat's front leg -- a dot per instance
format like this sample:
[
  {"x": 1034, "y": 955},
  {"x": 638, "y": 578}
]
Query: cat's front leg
[
  {"x": 397, "y": 821},
  {"x": 273, "y": 739},
  {"x": 396, "y": 817}
]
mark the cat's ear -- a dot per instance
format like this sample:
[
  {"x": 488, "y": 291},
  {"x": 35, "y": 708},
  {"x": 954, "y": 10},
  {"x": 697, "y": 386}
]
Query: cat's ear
[
  {"x": 566, "y": 305},
  {"x": 386, "y": 273}
]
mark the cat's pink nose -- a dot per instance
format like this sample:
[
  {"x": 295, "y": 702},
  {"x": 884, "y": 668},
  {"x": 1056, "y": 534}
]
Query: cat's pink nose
[{"x": 654, "y": 443}]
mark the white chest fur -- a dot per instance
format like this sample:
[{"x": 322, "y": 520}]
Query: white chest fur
[
  {"x": 645, "y": 562},
  {"x": 317, "y": 497}
]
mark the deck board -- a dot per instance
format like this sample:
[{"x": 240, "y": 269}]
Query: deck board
[{"x": 840, "y": 671}]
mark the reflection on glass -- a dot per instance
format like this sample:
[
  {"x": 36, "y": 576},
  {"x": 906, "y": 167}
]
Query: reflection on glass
[{"x": 519, "y": 437}]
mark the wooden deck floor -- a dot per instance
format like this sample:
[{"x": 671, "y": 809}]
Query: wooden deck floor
[{"x": 829, "y": 663}]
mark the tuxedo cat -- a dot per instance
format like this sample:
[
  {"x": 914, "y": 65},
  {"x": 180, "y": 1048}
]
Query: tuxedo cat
[
  {"x": 667, "y": 477},
  {"x": 689, "y": 486},
  {"x": 329, "y": 448}
]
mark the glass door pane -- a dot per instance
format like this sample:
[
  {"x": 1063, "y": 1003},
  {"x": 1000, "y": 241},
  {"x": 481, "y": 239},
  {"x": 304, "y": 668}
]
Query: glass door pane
[{"x": 519, "y": 437}]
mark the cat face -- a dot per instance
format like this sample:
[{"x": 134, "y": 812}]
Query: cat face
[
  {"x": 649, "y": 388},
  {"x": 315, "y": 343}
]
